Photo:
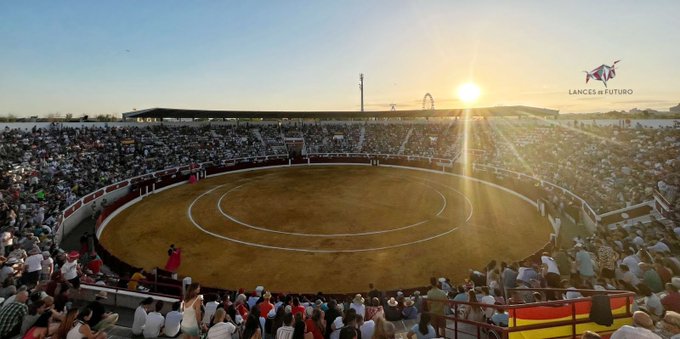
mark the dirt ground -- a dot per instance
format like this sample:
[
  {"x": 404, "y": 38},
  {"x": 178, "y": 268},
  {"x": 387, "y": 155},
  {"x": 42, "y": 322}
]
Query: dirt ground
[{"x": 327, "y": 228}]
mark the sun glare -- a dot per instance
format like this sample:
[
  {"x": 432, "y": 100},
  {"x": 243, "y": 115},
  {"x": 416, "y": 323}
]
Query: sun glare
[{"x": 468, "y": 93}]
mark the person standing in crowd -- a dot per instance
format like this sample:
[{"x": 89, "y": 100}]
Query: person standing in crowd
[
  {"x": 584, "y": 264},
  {"x": 191, "y": 318},
  {"x": 47, "y": 266},
  {"x": 348, "y": 332},
  {"x": 606, "y": 261},
  {"x": 509, "y": 278},
  {"x": 222, "y": 328},
  {"x": 297, "y": 307},
  {"x": 33, "y": 267},
  {"x": 373, "y": 293},
  {"x": 437, "y": 303},
  {"x": 286, "y": 331},
  {"x": 252, "y": 328},
  {"x": 358, "y": 305},
  {"x": 300, "y": 331},
  {"x": 316, "y": 324},
  {"x": 332, "y": 314},
  {"x": 70, "y": 271}
]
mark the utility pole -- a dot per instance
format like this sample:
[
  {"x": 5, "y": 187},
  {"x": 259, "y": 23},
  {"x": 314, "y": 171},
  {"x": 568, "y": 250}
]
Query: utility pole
[{"x": 361, "y": 88}]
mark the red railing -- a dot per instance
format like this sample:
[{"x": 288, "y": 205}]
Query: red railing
[{"x": 553, "y": 314}]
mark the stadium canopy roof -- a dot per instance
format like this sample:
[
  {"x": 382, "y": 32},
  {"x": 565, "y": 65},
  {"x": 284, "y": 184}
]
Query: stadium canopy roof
[{"x": 173, "y": 113}]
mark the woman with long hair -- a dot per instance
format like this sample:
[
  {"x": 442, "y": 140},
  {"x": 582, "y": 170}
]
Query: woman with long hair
[
  {"x": 81, "y": 329},
  {"x": 67, "y": 324},
  {"x": 192, "y": 312},
  {"x": 316, "y": 324},
  {"x": 475, "y": 312},
  {"x": 422, "y": 330},
  {"x": 383, "y": 329},
  {"x": 39, "y": 330},
  {"x": 300, "y": 331},
  {"x": 252, "y": 328}
]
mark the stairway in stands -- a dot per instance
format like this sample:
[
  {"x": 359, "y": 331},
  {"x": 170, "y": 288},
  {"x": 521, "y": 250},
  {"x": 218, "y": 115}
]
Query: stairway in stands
[
  {"x": 402, "y": 148},
  {"x": 362, "y": 137},
  {"x": 258, "y": 135}
]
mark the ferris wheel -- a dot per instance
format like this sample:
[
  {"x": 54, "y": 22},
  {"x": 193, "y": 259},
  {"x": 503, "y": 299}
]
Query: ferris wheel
[{"x": 425, "y": 100}]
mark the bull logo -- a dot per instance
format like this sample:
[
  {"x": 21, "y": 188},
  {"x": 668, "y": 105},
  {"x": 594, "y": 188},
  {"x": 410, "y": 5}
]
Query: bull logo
[{"x": 602, "y": 73}]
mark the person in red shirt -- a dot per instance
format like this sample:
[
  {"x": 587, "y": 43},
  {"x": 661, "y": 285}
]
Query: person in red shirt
[
  {"x": 240, "y": 307},
  {"x": 297, "y": 308},
  {"x": 664, "y": 273},
  {"x": 95, "y": 263},
  {"x": 316, "y": 324},
  {"x": 671, "y": 302},
  {"x": 266, "y": 306}
]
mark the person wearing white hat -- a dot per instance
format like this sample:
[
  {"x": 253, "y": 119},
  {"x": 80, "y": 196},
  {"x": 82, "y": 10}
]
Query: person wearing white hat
[
  {"x": 33, "y": 266},
  {"x": 358, "y": 305},
  {"x": 47, "y": 265},
  {"x": 409, "y": 312},
  {"x": 392, "y": 312},
  {"x": 642, "y": 328}
]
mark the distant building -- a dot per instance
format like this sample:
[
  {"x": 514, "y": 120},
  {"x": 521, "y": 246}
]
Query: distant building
[{"x": 675, "y": 109}]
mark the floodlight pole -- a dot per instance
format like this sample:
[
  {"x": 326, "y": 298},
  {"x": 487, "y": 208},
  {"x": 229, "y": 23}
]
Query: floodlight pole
[{"x": 361, "y": 88}]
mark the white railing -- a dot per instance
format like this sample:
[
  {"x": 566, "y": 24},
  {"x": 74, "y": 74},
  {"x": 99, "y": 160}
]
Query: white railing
[{"x": 584, "y": 204}]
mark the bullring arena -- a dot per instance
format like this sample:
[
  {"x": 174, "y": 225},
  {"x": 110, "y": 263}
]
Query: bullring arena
[{"x": 291, "y": 228}]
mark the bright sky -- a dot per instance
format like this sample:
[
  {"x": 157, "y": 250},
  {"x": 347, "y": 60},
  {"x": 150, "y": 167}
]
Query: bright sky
[{"x": 100, "y": 57}]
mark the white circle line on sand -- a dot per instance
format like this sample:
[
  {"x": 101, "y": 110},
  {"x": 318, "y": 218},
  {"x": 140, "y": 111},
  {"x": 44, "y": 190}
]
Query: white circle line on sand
[
  {"x": 306, "y": 250},
  {"x": 327, "y": 235}
]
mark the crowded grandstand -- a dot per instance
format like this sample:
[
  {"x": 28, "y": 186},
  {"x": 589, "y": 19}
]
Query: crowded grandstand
[{"x": 605, "y": 170}]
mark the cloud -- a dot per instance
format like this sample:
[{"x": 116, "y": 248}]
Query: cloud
[{"x": 649, "y": 101}]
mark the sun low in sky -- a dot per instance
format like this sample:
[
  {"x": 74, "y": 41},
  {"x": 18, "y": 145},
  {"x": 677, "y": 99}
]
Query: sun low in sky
[
  {"x": 468, "y": 93},
  {"x": 104, "y": 57}
]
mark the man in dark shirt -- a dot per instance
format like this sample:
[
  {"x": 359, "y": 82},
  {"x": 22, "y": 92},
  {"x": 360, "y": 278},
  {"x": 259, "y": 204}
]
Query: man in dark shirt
[
  {"x": 373, "y": 292},
  {"x": 331, "y": 314}
]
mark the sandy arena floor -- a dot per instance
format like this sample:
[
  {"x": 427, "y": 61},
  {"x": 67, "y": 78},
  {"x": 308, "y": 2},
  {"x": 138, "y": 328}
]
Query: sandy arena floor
[{"x": 327, "y": 228}]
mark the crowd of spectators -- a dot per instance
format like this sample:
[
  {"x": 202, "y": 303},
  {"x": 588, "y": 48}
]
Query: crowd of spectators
[
  {"x": 335, "y": 138},
  {"x": 610, "y": 167},
  {"x": 45, "y": 170}
]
